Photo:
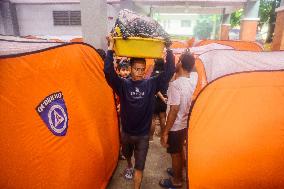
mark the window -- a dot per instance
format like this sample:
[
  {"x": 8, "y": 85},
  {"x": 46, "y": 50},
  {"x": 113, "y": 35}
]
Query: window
[
  {"x": 67, "y": 18},
  {"x": 185, "y": 23}
]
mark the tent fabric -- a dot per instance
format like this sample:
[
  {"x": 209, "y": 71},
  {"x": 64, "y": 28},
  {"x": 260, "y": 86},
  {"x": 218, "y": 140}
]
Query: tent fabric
[
  {"x": 217, "y": 63},
  {"x": 8, "y": 47},
  {"x": 24, "y": 39},
  {"x": 77, "y": 39},
  {"x": 236, "y": 129},
  {"x": 32, "y": 156},
  {"x": 179, "y": 44},
  {"x": 203, "y": 49},
  {"x": 223, "y": 62},
  {"x": 237, "y": 45}
]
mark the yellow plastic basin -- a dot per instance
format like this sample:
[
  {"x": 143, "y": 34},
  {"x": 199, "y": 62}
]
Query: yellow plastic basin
[{"x": 139, "y": 47}]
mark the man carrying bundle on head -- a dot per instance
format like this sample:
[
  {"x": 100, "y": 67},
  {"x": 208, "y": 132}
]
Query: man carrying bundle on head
[{"x": 136, "y": 107}]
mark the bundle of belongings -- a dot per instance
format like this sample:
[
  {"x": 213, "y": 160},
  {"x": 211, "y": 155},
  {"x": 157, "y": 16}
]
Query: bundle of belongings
[{"x": 130, "y": 24}]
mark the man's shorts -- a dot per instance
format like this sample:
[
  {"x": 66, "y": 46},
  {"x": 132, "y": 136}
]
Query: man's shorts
[
  {"x": 176, "y": 140},
  {"x": 137, "y": 144}
]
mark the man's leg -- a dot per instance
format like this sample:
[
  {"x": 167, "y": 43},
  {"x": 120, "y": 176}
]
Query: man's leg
[
  {"x": 175, "y": 142},
  {"x": 177, "y": 168},
  {"x": 127, "y": 151},
  {"x": 140, "y": 154},
  {"x": 138, "y": 179}
]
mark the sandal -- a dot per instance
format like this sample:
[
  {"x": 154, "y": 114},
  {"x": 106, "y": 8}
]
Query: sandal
[
  {"x": 167, "y": 183},
  {"x": 128, "y": 173},
  {"x": 170, "y": 171}
]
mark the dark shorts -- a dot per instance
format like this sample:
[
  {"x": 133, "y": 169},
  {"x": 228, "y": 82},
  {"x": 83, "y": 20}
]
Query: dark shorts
[
  {"x": 137, "y": 144},
  {"x": 160, "y": 106},
  {"x": 176, "y": 140}
]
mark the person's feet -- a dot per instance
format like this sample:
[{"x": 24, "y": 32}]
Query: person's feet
[
  {"x": 168, "y": 183},
  {"x": 128, "y": 173},
  {"x": 170, "y": 171}
]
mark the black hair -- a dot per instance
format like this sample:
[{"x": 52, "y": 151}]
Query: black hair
[
  {"x": 133, "y": 60},
  {"x": 102, "y": 53},
  {"x": 187, "y": 61},
  {"x": 123, "y": 64}
]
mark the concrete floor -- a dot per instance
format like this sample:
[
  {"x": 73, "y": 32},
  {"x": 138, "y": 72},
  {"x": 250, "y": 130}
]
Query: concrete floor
[{"x": 155, "y": 169}]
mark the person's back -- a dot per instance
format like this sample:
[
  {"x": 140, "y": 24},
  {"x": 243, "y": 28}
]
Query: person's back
[{"x": 185, "y": 86}]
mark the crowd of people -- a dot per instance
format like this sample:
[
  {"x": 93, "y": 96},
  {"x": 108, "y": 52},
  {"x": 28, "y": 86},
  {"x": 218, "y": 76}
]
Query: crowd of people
[{"x": 166, "y": 95}]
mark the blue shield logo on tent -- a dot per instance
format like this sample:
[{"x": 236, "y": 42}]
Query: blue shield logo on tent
[{"x": 53, "y": 112}]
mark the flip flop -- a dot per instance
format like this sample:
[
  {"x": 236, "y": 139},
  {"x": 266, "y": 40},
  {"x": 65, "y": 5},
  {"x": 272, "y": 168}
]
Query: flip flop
[
  {"x": 167, "y": 183},
  {"x": 170, "y": 171}
]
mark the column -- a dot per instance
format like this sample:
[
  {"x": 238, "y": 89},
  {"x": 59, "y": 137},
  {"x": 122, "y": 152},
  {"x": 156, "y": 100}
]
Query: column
[
  {"x": 9, "y": 18},
  {"x": 250, "y": 21},
  {"x": 94, "y": 22},
  {"x": 127, "y": 4},
  {"x": 278, "y": 39},
  {"x": 225, "y": 27}
]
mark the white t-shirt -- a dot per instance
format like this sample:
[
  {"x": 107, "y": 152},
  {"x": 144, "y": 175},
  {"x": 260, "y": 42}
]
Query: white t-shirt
[{"x": 179, "y": 93}]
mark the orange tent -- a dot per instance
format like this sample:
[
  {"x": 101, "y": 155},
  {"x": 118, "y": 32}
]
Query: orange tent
[
  {"x": 237, "y": 45},
  {"x": 58, "y": 118},
  {"x": 179, "y": 44},
  {"x": 78, "y": 39},
  {"x": 235, "y": 136}
]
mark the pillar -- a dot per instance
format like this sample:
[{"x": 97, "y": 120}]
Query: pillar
[
  {"x": 127, "y": 4},
  {"x": 278, "y": 39},
  {"x": 9, "y": 18},
  {"x": 250, "y": 21},
  {"x": 94, "y": 22},
  {"x": 225, "y": 27}
]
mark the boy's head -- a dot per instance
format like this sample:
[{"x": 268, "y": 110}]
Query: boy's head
[
  {"x": 186, "y": 63},
  {"x": 138, "y": 67},
  {"x": 123, "y": 69}
]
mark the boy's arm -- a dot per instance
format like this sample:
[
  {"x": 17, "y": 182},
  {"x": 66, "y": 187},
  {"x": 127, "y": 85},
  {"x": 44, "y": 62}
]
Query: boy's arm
[
  {"x": 111, "y": 76},
  {"x": 169, "y": 66},
  {"x": 159, "y": 94}
]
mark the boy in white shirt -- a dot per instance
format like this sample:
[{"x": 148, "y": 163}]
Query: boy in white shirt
[{"x": 179, "y": 100}]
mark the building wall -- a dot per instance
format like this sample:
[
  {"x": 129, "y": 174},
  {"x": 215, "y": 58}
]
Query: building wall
[
  {"x": 172, "y": 23},
  {"x": 37, "y": 19}
]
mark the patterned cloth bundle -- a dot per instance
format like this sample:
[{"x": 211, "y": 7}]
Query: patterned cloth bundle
[{"x": 131, "y": 24}]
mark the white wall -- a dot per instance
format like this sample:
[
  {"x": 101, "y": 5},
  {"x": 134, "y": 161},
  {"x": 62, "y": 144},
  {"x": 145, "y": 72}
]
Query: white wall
[
  {"x": 36, "y": 19},
  {"x": 172, "y": 23}
]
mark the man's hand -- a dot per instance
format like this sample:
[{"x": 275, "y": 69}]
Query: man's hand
[
  {"x": 164, "y": 140},
  {"x": 164, "y": 100},
  {"x": 110, "y": 42},
  {"x": 118, "y": 108},
  {"x": 168, "y": 45}
]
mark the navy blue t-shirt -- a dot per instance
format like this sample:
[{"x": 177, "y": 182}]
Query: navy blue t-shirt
[{"x": 137, "y": 97}]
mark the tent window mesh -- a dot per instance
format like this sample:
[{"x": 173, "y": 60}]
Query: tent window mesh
[{"x": 67, "y": 18}]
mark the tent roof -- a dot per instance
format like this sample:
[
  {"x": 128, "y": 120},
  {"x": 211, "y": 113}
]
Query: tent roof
[{"x": 218, "y": 63}]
